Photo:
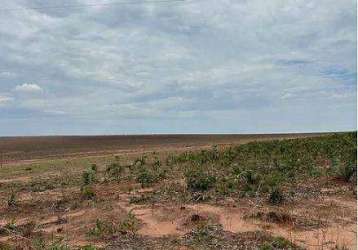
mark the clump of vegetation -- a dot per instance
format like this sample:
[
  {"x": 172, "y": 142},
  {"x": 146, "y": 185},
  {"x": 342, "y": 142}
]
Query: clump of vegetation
[
  {"x": 270, "y": 168},
  {"x": 146, "y": 177},
  {"x": 88, "y": 193},
  {"x": 130, "y": 224},
  {"x": 104, "y": 229},
  {"x": 11, "y": 201},
  {"x": 141, "y": 161},
  {"x": 147, "y": 173},
  {"x": 197, "y": 179},
  {"x": 277, "y": 243},
  {"x": 9, "y": 228},
  {"x": 88, "y": 179},
  {"x": 276, "y": 196},
  {"x": 344, "y": 170},
  {"x": 88, "y": 247},
  {"x": 58, "y": 245},
  {"x": 89, "y": 176},
  {"x": 114, "y": 171}
]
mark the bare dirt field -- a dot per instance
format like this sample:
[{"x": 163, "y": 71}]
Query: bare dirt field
[
  {"x": 179, "y": 192},
  {"x": 44, "y": 147}
]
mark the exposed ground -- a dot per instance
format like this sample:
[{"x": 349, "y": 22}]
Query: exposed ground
[
  {"x": 181, "y": 194},
  {"x": 13, "y": 149}
]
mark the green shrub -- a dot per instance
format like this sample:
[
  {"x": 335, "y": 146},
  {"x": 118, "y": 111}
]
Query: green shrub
[
  {"x": 58, "y": 246},
  {"x": 88, "y": 247},
  {"x": 11, "y": 201},
  {"x": 130, "y": 224},
  {"x": 101, "y": 229},
  {"x": 276, "y": 197},
  {"x": 277, "y": 243},
  {"x": 87, "y": 193},
  {"x": 199, "y": 180},
  {"x": 89, "y": 176},
  {"x": 146, "y": 177},
  {"x": 114, "y": 171},
  {"x": 94, "y": 168},
  {"x": 346, "y": 172},
  {"x": 140, "y": 161},
  {"x": 38, "y": 243},
  {"x": 226, "y": 185}
]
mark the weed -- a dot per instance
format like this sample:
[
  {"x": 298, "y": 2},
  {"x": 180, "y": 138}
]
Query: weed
[
  {"x": 58, "y": 246},
  {"x": 114, "y": 171},
  {"x": 199, "y": 180},
  {"x": 276, "y": 197},
  {"x": 11, "y": 201},
  {"x": 87, "y": 193},
  {"x": 28, "y": 229},
  {"x": 89, "y": 176},
  {"x": 146, "y": 177},
  {"x": 11, "y": 225},
  {"x": 88, "y": 247},
  {"x": 38, "y": 243},
  {"x": 344, "y": 171},
  {"x": 276, "y": 243},
  {"x": 94, "y": 168},
  {"x": 101, "y": 229},
  {"x": 130, "y": 224},
  {"x": 140, "y": 161}
]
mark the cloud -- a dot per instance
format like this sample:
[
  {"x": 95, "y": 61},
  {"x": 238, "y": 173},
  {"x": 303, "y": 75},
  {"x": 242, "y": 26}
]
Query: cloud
[
  {"x": 218, "y": 66},
  {"x": 5, "y": 100},
  {"x": 28, "y": 88}
]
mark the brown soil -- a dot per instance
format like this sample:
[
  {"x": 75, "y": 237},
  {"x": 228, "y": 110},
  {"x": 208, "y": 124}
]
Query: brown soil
[{"x": 31, "y": 149}]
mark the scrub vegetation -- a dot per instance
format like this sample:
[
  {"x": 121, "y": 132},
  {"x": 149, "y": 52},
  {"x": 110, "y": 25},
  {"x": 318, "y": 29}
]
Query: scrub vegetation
[{"x": 270, "y": 194}]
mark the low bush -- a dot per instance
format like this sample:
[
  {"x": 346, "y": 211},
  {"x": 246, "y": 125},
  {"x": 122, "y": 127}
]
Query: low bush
[
  {"x": 146, "y": 177},
  {"x": 276, "y": 196},
  {"x": 89, "y": 176},
  {"x": 198, "y": 179},
  {"x": 102, "y": 229},
  {"x": 11, "y": 201},
  {"x": 88, "y": 193},
  {"x": 114, "y": 171},
  {"x": 130, "y": 224}
]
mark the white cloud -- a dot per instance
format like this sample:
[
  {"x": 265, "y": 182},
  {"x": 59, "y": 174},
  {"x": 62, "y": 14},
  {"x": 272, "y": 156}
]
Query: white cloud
[
  {"x": 28, "y": 87},
  {"x": 229, "y": 58},
  {"x": 5, "y": 99}
]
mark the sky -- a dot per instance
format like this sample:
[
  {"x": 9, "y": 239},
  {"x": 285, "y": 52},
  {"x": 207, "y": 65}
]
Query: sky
[{"x": 194, "y": 66}]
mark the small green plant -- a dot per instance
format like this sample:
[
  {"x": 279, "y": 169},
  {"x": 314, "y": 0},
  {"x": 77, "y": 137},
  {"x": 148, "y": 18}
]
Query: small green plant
[
  {"x": 94, "y": 168},
  {"x": 129, "y": 224},
  {"x": 58, "y": 245},
  {"x": 28, "y": 229},
  {"x": 146, "y": 177},
  {"x": 10, "y": 227},
  {"x": 277, "y": 243},
  {"x": 89, "y": 176},
  {"x": 226, "y": 185},
  {"x": 114, "y": 171},
  {"x": 199, "y": 180},
  {"x": 88, "y": 247},
  {"x": 87, "y": 193},
  {"x": 276, "y": 197},
  {"x": 140, "y": 161},
  {"x": 100, "y": 229},
  {"x": 346, "y": 172},
  {"x": 11, "y": 201},
  {"x": 38, "y": 243}
]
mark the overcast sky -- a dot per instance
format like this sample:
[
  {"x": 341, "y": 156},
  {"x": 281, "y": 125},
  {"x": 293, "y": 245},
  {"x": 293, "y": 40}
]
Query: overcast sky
[{"x": 199, "y": 66}]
